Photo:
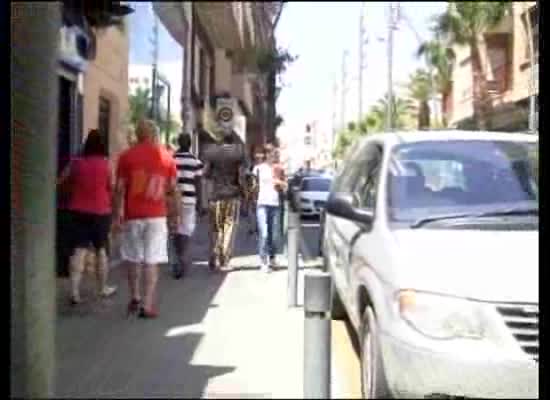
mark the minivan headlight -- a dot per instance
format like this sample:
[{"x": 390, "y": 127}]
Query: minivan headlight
[{"x": 440, "y": 317}]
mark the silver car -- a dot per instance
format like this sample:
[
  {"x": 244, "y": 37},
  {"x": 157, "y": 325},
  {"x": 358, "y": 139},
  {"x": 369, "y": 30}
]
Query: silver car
[{"x": 431, "y": 239}]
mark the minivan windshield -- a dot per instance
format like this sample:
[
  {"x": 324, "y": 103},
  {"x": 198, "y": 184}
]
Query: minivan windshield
[
  {"x": 432, "y": 179},
  {"x": 315, "y": 185}
]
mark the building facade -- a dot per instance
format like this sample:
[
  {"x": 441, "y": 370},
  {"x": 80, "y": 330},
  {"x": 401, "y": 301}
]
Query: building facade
[
  {"x": 106, "y": 89},
  {"x": 220, "y": 42},
  {"x": 507, "y": 61}
]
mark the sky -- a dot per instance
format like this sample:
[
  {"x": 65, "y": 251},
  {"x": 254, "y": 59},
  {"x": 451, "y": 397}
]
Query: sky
[
  {"x": 170, "y": 53},
  {"x": 318, "y": 33}
]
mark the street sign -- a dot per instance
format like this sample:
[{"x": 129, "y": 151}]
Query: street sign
[{"x": 224, "y": 113}]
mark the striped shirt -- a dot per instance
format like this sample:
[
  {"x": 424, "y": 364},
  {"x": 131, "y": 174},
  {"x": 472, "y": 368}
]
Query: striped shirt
[{"x": 189, "y": 167}]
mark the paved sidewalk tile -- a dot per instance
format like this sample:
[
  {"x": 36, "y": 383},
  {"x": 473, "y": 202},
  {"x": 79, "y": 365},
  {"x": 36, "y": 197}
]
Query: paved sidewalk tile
[{"x": 218, "y": 336}]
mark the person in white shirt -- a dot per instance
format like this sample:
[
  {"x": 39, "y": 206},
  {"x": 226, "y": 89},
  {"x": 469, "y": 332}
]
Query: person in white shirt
[{"x": 267, "y": 212}]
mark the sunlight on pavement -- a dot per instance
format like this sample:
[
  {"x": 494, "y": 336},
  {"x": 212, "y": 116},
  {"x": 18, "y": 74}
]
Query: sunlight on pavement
[
  {"x": 346, "y": 363},
  {"x": 184, "y": 330}
]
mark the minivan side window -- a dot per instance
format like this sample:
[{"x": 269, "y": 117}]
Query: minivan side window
[
  {"x": 366, "y": 186},
  {"x": 347, "y": 177}
]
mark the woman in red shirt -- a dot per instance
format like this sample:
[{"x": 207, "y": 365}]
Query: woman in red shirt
[{"x": 89, "y": 181}]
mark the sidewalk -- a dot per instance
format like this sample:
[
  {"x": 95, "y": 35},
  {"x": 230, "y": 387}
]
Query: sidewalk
[{"x": 226, "y": 335}]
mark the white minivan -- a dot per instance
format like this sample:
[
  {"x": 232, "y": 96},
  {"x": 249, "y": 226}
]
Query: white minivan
[{"x": 432, "y": 242}]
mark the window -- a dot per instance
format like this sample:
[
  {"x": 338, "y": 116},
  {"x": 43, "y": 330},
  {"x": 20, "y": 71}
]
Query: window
[
  {"x": 433, "y": 178},
  {"x": 315, "y": 185},
  {"x": 365, "y": 187},
  {"x": 104, "y": 119}
]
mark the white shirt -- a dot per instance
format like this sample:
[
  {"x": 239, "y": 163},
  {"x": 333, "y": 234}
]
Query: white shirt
[{"x": 267, "y": 195}]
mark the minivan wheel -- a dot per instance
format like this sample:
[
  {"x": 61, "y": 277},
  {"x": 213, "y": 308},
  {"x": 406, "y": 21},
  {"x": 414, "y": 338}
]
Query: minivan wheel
[
  {"x": 373, "y": 380},
  {"x": 337, "y": 309}
]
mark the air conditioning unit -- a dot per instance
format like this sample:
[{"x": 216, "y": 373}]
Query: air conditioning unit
[{"x": 75, "y": 47}]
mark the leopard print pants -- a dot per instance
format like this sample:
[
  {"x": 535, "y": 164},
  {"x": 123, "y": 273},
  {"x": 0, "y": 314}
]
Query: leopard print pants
[{"x": 223, "y": 219}]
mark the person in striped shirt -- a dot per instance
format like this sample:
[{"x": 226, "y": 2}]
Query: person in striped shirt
[{"x": 189, "y": 172}]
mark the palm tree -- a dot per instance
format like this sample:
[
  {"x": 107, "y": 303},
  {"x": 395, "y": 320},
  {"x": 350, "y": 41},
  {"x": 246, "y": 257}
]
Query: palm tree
[
  {"x": 420, "y": 90},
  {"x": 464, "y": 24},
  {"x": 139, "y": 103},
  {"x": 441, "y": 58},
  {"x": 401, "y": 110}
]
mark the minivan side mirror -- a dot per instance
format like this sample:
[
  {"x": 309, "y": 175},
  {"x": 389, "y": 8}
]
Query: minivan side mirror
[{"x": 340, "y": 204}]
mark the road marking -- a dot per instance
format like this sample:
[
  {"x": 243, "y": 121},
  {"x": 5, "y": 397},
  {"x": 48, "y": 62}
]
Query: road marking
[{"x": 347, "y": 362}]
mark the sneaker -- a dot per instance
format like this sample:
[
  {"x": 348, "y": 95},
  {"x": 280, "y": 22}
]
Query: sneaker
[
  {"x": 264, "y": 267},
  {"x": 108, "y": 291},
  {"x": 273, "y": 262},
  {"x": 75, "y": 300},
  {"x": 148, "y": 314},
  {"x": 133, "y": 307}
]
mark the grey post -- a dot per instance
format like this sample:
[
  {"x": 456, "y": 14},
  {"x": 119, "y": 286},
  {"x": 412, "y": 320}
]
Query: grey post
[
  {"x": 292, "y": 252},
  {"x": 317, "y": 335}
]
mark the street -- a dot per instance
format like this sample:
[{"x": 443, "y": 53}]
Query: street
[{"x": 226, "y": 335}]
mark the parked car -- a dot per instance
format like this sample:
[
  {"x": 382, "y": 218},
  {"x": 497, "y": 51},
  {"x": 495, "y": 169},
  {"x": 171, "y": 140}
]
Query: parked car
[
  {"x": 431, "y": 239},
  {"x": 295, "y": 182},
  {"x": 313, "y": 195}
]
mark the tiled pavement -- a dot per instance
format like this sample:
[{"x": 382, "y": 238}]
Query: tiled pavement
[{"x": 226, "y": 335}]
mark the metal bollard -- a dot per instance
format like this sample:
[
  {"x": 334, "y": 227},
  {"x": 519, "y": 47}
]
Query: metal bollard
[
  {"x": 292, "y": 253},
  {"x": 317, "y": 335}
]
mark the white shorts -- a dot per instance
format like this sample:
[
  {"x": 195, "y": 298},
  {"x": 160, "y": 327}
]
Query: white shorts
[
  {"x": 145, "y": 241},
  {"x": 188, "y": 220}
]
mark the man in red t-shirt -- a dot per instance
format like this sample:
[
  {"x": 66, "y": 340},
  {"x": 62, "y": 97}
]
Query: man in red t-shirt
[{"x": 146, "y": 182}]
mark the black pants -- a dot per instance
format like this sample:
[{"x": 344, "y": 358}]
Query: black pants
[{"x": 86, "y": 229}]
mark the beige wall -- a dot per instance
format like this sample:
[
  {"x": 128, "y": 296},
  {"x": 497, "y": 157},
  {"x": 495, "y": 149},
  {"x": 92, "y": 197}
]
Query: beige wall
[
  {"x": 107, "y": 76},
  {"x": 520, "y": 74},
  {"x": 223, "y": 72}
]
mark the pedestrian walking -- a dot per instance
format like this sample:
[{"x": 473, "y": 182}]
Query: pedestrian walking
[
  {"x": 189, "y": 170},
  {"x": 268, "y": 210},
  {"x": 146, "y": 186},
  {"x": 251, "y": 194},
  {"x": 281, "y": 187},
  {"x": 225, "y": 166},
  {"x": 88, "y": 183}
]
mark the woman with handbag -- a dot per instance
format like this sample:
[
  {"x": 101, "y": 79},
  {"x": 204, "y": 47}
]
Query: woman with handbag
[{"x": 88, "y": 180}]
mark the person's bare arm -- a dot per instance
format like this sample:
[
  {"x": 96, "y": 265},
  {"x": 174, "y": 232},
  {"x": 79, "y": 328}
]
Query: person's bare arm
[
  {"x": 173, "y": 198},
  {"x": 118, "y": 201}
]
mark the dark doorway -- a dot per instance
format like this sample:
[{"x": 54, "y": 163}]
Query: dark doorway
[
  {"x": 66, "y": 89},
  {"x": 104, "y": 120},
  {"x": 66, "y": 143}
]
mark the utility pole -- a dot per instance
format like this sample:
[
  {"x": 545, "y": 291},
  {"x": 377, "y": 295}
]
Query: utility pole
[
  {"x": 334, "y": 106},
  {"x": 392, "y": 19},
  {"x": 343, "y": 90},
  {"x": 154, "y": 98},
  {"x": 362, "y": 42}
]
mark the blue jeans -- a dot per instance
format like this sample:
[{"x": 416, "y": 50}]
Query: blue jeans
[{"x": 268, "y": 231}]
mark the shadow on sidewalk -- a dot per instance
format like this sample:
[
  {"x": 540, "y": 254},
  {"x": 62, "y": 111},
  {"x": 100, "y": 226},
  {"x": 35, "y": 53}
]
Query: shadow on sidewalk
[{"x": 101, "y": 353}]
